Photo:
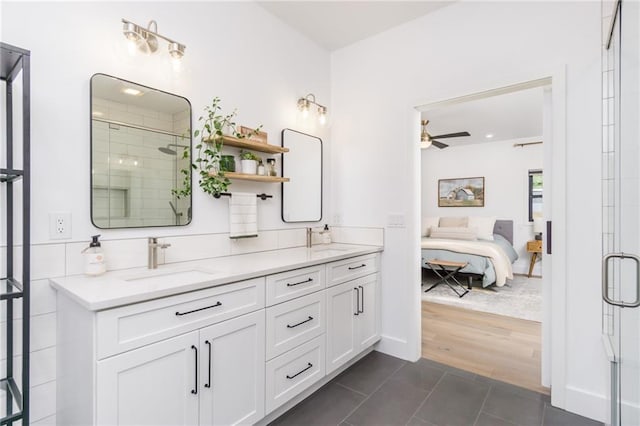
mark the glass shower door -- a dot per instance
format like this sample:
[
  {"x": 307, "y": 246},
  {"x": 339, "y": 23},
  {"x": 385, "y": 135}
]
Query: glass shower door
[{"x": 621, "y": 208}]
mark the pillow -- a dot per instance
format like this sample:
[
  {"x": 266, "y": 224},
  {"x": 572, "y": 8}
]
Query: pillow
[
  {"x": 457, "y": 222},
  {"x": 506, "y": 246},
  {"x": 484, "y": 225},
  {"x": 427, "y": 223},
  {"x": 454, "y": 233}
]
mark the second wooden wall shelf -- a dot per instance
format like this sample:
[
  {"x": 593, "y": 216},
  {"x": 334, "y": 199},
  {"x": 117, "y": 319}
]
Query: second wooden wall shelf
[{"x": 256, "y": 178}]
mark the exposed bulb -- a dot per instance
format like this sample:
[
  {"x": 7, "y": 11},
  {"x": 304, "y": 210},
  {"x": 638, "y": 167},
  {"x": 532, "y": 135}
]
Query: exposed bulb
[
  {"x": 132, "y": 46},
  {"x": 322, "y": 119}
]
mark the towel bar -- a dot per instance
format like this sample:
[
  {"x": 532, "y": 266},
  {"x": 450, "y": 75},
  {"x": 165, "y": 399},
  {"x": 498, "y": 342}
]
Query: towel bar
[{"x": 262, "y": 196}]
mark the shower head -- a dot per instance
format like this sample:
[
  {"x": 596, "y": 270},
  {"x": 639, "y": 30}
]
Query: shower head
[{"x": 167, "y": 150}]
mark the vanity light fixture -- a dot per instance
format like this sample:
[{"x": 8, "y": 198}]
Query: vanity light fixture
[
  {"x": 304, "y": 104},
  {"x": 146, "y": 39}
]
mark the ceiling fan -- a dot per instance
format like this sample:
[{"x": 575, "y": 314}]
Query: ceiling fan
[{"x": 427, "y": 140}]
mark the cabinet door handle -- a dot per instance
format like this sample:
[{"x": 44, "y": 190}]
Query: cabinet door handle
[
  {"x": 361, "y": 300},
  {"x": 301, "y": 282},
  {"x": 208, "y": 385},
  {"x": 357, "y": 301},
  {"x": 198, "y": 310},
  {"x": 309, "y": 365},
  {"x": 195, "y": 389},
  {"x": 300, "y": 323},
  {"x": 351, "y": 268}
]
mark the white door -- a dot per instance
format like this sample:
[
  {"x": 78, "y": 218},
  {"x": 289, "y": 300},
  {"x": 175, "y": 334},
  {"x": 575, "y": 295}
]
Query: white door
[
  {"x": 342, "y": 311},
  {"x": 368, "y": 320},
  {"x": 232, "y": 371},
  {"x": 154, "y": 385}
]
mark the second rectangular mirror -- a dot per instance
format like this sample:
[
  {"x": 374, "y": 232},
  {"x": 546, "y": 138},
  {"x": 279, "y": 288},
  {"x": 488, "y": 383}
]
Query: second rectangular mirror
[
  {"x": 302, "y": 195},
  {"x": 140, "y": 143}
]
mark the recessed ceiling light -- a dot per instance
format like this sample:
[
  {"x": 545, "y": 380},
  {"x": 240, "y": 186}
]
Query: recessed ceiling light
[
  {"x": 488, "y": 135},
  {"x": 97, "y": 114},
  {"x": 131, "y": 91}
]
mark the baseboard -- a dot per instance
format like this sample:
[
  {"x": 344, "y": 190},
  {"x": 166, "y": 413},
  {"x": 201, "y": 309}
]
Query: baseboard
[
  {"x": 587, "y": 404},
  {"x": 395, "y": 347}
]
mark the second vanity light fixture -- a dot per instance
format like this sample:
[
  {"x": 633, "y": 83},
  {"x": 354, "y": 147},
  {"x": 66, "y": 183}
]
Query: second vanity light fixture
[
  {"x": 305, "y": 103},
  {"x": 146, "y": 39}
]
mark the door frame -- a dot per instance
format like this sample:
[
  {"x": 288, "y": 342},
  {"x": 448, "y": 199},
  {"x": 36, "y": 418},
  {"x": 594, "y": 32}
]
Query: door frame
[{"x": 554, "y": 269}]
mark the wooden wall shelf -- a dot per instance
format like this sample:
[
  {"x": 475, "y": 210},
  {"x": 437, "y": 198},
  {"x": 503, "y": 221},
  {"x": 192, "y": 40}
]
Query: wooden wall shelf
[
  {"x": 256, "y": 178},
  {"x": 255, "y": 146}
]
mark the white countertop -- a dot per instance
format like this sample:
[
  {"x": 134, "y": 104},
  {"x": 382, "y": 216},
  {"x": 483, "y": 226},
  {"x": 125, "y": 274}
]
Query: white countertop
[{"x": 123, "y": 287}]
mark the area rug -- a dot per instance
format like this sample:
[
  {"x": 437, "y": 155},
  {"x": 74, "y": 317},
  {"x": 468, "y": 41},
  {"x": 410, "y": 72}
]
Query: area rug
[{"x": 519, "y": 298}]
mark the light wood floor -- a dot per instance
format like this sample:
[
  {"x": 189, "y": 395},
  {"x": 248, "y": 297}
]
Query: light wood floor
[{"x": 495, "y": 346}]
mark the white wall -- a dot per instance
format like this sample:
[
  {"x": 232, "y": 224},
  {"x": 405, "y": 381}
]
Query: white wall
[
  {"x": 236, "y": 51},
  {"x": 506, "y": 179},
  {"x": 469, "y": 47}
]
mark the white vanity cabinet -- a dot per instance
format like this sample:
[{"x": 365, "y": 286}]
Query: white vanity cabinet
[
  {"x": 353, "y": 318},
  {"x": 154, "y": 385},
  {"x": 226, "y": 354}
]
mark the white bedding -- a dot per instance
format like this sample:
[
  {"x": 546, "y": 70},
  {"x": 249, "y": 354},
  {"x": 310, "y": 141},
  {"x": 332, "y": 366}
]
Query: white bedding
[{"x": 494, "y": 253}]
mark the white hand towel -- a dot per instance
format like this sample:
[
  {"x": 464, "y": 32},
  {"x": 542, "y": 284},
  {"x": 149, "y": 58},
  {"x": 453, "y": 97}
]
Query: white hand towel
[{"x": 243, "y": 215}]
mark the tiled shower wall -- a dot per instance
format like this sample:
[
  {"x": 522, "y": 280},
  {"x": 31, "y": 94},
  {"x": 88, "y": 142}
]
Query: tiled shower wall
[
  {"x": 58, "y": 260},
  {"x": 131, "y": 176}
]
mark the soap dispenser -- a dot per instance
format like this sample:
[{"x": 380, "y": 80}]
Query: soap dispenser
[
  {"x": 326, "y": 235},
  {"x": 94, "y": 262}
]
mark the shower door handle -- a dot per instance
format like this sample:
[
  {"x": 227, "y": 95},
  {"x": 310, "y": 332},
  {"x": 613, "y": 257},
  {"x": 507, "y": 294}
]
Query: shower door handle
[{"x": 606, "y": 261}]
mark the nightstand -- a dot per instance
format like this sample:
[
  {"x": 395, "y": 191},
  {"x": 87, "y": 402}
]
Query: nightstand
[{"x": 534, "y": 247}]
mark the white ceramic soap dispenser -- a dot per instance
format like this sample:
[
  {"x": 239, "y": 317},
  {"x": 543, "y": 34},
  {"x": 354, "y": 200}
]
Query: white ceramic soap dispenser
[{"x": 94, "y": 262}]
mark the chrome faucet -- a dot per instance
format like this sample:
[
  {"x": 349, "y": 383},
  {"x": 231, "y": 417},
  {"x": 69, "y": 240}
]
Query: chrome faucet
[
  {"x": 153, "y": 244},
  {"x": 310, "y": 233}
]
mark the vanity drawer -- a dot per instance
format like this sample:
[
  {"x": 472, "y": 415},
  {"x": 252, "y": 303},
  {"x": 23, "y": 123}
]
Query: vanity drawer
[
  {"x": 293, "y": 372},
  {"x": 291, "y": 284},
  {"x": 292, "y": 323},
  {"x": 348, "y": 269},
  {"x": 128, "y": 327}
]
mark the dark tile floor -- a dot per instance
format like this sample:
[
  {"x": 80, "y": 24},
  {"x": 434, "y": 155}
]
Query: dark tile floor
[{"x": 383, "y": 390}]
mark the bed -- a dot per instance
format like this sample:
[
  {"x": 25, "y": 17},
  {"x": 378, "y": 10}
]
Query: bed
[{"x": 490, "y": 260}]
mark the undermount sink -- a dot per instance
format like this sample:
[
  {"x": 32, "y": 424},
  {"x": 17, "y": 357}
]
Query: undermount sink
[{"x": 192, "y": 275}]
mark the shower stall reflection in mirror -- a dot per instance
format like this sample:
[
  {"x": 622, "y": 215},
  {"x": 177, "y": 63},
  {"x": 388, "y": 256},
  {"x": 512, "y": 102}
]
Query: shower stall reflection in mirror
[{"x": 554, "y": 127}]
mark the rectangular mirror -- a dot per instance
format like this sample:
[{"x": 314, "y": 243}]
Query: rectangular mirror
[
  {"x": 302, "y": 195},
  {"x": 140, "y": 145}
]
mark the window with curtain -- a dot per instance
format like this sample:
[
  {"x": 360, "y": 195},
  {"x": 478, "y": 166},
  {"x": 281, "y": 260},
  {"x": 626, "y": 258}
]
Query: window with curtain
[{"x": 535, "y": 194}]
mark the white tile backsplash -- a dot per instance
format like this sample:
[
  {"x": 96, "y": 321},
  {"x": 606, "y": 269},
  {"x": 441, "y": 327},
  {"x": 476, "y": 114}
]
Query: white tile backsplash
[
  {"x": 266, "y": 240},
  {"x": 288, "y": 238}
]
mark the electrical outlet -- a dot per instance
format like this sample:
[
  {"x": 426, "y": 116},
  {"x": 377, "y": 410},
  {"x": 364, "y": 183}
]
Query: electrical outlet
[
  {"x": 59, "y": 225},
  {"x": 337, "y": 219}
]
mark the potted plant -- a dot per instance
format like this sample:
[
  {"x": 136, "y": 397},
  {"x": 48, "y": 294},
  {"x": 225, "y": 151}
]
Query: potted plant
[
  {"x": 213, "y": 125},
  {"x": 249, "y": 162}
]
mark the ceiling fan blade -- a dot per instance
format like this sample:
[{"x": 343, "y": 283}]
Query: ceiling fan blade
[
  {"x": 451, "y": 135},
  {"x": 438, "y": 144}
]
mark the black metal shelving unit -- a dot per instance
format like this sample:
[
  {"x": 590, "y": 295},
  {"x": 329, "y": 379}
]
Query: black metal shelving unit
[{"x": 15, "y": 67}]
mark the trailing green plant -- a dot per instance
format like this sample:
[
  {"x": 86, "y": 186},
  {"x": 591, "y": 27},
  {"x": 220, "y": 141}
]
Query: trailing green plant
[
  {"x": 248, "y": 155},
  {"x": 213, "y": 124}
]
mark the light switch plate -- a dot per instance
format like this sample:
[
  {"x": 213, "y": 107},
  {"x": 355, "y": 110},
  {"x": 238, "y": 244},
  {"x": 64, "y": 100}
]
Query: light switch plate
[{"x": 395, "y": 220}]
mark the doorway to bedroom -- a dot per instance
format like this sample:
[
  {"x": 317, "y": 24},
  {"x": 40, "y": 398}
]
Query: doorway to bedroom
[{"x": 482, "y": 206}]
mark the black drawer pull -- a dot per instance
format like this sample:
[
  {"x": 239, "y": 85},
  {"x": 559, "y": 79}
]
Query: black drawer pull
[
  {"x": 208, "y": 343},
  {"x": 357, "y": 312},
  {"x": 300, "y": 323},
  {"x": 198, "y": 310},
  {"x": 309, "y": 365},
  {"x": 195, "y": 389},
  {"x": 361, "y": 311},
  {"x": 301, "y": 282},
  {"x": 351, "y": 268}
]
